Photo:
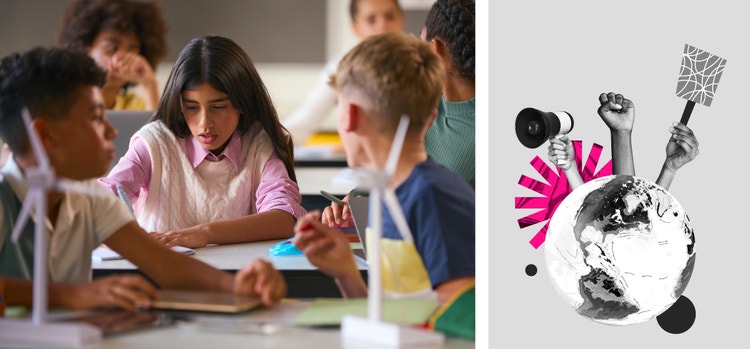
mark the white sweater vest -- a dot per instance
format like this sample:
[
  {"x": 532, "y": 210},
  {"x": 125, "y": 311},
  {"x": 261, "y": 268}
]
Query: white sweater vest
[{"x": 180, "y": 196}]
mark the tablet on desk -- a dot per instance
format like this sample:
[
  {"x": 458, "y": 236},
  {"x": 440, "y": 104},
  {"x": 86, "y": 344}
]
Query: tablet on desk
[
  {"x": 218, "y": 302},
  {"x": 359, "y": 206}
]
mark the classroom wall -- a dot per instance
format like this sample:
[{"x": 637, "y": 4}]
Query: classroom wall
[
  {"x": 289, "y": 40},
  {"x": 290, "y": 31}
]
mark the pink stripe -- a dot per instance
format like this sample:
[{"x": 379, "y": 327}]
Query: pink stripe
[
  {"x": 535, "y": 202},
  {"x": 535, "y": 185},
  {"x": 540, "y": 236}
]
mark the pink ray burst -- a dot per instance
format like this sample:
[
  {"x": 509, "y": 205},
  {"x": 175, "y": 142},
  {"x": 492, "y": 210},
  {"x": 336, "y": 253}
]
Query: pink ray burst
[{"x": 556, "y": 188}]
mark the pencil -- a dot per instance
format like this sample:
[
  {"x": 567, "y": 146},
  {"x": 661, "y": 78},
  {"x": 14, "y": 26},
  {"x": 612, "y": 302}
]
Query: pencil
[
  {"x": 330, "y": 196},
  {"x": 125, "y": 199}
]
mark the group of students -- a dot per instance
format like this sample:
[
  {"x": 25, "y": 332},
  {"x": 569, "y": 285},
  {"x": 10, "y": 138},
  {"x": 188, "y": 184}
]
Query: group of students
[{"x": 215, "y": 165}]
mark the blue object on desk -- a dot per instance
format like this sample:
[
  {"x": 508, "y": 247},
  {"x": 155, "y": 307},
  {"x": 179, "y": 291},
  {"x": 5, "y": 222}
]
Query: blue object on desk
[
  {"x": 124, "y": 197},
  {"x": 284, "y": 248}
]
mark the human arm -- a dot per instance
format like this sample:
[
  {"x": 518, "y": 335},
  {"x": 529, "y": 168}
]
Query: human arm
[
  {"x": 328, "y": 249},
  {"x": 178, "y": 271},
  {"x": 618, "y": 113},
  {"x": 274, "y": 224},
  {"x": 448, "y": 288},
  {"x": 132, "y": 67},
  {"x": 318, "y": 103},
  {"x": 132, "y": 172},
  {"x": 682, "y": 148},
  {"x": 278, "y": 206},
  {"x": 561, "y": 154},
  {"x": 127, "y": 291}
]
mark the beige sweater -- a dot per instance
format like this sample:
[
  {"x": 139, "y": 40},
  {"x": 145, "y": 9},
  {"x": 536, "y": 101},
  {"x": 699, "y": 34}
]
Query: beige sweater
[{"x": 180, "y": 196}]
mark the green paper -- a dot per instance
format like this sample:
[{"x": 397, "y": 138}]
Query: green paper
[{"x": 329, "y": 312}]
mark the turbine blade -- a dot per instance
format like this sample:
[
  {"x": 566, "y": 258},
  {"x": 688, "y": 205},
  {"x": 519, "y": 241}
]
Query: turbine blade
[
  {"x": 36, "y": 143},
  {"x": 391, "y": 201},
  {"x": 23, "y": 215},
  {"x": 398, "y": 142}
]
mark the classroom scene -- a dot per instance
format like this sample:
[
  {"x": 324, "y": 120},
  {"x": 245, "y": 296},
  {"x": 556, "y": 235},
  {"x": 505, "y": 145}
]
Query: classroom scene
[{"x": 262, "y": 173}]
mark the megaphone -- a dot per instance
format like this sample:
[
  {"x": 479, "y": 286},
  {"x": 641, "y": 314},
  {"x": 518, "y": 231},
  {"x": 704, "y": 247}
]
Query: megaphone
[{"x": 534, "y": 127}]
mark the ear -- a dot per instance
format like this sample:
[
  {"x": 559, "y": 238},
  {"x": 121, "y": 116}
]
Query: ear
[
  {"x": 42, "y": 128},
  {"x": 352, "y": 117},
  {"x": 439, "y": 47}
]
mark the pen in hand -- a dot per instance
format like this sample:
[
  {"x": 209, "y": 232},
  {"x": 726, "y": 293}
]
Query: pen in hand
[{"x": 331, "y": 197}]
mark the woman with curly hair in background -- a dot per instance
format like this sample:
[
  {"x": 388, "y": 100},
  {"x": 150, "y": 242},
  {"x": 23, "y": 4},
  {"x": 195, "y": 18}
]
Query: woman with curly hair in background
[{"x": 127, "y": 38}]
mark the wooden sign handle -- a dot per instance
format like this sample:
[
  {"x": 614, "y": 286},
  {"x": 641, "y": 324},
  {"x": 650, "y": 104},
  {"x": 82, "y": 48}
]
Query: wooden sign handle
[{"x": 686, "y": 113}]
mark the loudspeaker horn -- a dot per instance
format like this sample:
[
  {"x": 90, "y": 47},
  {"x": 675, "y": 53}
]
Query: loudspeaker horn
[{"x": 534, "y": 127}]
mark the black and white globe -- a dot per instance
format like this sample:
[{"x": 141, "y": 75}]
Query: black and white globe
[{"x": 620, "y": 250}]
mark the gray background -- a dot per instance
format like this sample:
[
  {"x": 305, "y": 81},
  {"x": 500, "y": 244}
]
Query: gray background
[
  {"x": 560, "y": 55},
  {"x": 278, "y": 31}
]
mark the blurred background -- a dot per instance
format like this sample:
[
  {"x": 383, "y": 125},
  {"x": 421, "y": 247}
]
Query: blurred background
[{"x": 288, "y": 40}]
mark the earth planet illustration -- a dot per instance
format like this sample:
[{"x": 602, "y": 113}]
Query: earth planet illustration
[{"x": 620, "y": 250}]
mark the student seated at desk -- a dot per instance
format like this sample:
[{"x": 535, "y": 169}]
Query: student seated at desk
[
  {"x": 214, "y": 166},
  {"x": 449, "y": 28},
  {"x": 127, "y": 39},
  {"x": 381, "y": 79},
  {"x": 61, "y": 89}
]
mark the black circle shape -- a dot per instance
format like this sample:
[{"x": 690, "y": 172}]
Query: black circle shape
[
  {"x": 531, "y": 270},
  {"x": 679, "y": 317}
]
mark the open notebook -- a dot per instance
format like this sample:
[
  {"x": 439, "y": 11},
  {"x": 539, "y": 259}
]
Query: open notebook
[{"x": 103, "y": 253}]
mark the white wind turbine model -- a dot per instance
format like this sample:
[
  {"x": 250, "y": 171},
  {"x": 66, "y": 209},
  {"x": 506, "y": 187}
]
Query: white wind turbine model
[
  {"x": 40, "y": 330},
  {"x": 372, "y": 329}
]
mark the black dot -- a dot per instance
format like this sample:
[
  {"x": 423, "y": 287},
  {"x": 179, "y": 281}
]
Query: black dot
[
  {"x": 531, "y": 270},
  {"x": 679, "y": 317}
]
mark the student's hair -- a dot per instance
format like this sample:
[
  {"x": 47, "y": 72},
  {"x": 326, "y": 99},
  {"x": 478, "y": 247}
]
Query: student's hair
[
  {"x": 399, "y": 73},
  {"x": 452, "y": 21},
  {"x": 224, "y": 65},
  {"x": 354, "y": 7},
  {"x": 83, "y": 20},
  {"x": 47, "y": 81}
]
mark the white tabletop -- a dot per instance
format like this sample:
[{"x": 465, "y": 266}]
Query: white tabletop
[
  {"x": 312, "y": 180},
  {"x": 233, "y": 257},
  {"x": 188, "y": 335}
]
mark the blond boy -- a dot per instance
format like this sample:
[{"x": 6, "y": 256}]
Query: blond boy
[{"x": 381, "y": 79}]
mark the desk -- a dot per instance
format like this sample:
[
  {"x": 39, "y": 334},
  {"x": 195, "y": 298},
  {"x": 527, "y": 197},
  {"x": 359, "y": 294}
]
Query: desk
[
  {"x": 186, "y": 336},
  {"x": 303, "y": 279},
  {"x": 312, "y": 180},
  {"x": 318, "y": 157},
  {"x": 322, "y": 149}
]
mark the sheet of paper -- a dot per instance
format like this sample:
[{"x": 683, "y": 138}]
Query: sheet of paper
[
  {"x": 328, "y": 312},
  {"x": 102, "y": 253}
]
